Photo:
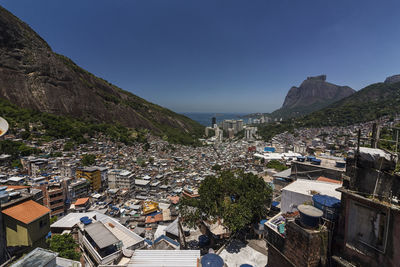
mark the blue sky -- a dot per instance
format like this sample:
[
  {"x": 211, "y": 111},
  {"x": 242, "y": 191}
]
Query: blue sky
[{"x": 220, "y": 56}]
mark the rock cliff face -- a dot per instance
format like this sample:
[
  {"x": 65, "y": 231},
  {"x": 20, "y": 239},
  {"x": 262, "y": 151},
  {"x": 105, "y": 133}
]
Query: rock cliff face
[
  {"x": 33, "y": 76},
  {"x": 393, "y": 79},
  {"x": 315, "y": 90},
  {"x": 313, "y": 94}
]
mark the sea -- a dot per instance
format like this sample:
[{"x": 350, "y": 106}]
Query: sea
[{"x": 205, "y": 118}]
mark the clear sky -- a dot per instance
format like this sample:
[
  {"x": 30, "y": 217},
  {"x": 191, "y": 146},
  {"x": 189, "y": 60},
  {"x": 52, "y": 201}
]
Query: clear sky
[{"x": 221, "y": 56}]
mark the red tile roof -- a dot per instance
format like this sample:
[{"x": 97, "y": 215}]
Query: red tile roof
[
  {"x": 153, "y": 219},
  {"x": 173, "y": 199},
  {"x": 324, "y": 179},
  {"x": 27, "y": 211},
  {"x": 81, "y": 201}
]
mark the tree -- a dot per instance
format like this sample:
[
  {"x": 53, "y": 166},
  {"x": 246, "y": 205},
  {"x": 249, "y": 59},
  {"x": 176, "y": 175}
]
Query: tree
[
  {"x": 88, "y": 160},
  {"x": 53, "y": 219},
  {"x": 216, "y": 167},
  {"x": 65, "y": 245},
  {"x": 239, "y": 199},
  {"x": 68, "y": 146},
  {"x": 277, "y": 165}
]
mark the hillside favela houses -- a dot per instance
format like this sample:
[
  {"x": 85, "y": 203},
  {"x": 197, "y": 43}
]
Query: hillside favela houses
[
  {"x": 325, "y": 210},
  {"x": 93, "y": 175}
]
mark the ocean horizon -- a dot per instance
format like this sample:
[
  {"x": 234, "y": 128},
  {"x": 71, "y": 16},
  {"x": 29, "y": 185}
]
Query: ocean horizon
[{"x": 204, "y": 118}]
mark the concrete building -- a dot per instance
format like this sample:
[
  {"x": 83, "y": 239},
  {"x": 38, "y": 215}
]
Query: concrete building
[
  {"x": 78, "y": 188},
  {"x": 55, "y": 196},
  {"x": 92, "y": 174},
  {"x": 368, "y": 233},
  {"x": 104, "y": 177},
  {"x": 296, "y": 245},
  {"x": 103, "y": 241},
  {"x": 121, "y": 179},
  {"x": 313, "y": 167},
  {"x": 26, "y": 224},
  {"x": 301, "y": 191},
  {"x": 3, "y": 243},
  {"x": 250, "y": 133}
]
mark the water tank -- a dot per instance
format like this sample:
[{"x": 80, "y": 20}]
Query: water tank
[
  {"x": 85, "y": 220},
  {"x": 309, "y": 216},
  {"x": 341, "y": 164},
  {"x": 212, "y": 260},
  {"x": 329, "y": 205},
  {"x": 316, "y": 161},
  {"x": 301, "y": 159},
  {"x": 310, "y": 158}
]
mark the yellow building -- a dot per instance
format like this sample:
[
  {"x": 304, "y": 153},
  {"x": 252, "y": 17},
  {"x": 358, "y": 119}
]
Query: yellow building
[
  {"x": 149, "y": 207},
  {"x": 26, "y": 224},
  {"x": 91, "y": 174}
]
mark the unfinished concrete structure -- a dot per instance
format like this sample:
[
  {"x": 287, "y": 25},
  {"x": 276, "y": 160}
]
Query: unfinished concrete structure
[{"x": 369, "y": 226}]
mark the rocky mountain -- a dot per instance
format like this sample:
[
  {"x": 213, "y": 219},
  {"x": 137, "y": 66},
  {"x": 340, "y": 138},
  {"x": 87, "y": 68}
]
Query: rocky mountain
[
  {"x": 393, "y": 79},
  {"x": 370, "y": 103},
  {"x": 314, "y": 93},
  {"x": 33, "y": 76}
]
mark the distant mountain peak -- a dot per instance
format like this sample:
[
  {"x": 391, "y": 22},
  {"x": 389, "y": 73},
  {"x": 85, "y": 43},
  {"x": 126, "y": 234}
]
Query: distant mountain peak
[
  {"x": 393, "y": 79},
  {"x": 313, "y": 94},
  {"x": 318, "y": 78}
]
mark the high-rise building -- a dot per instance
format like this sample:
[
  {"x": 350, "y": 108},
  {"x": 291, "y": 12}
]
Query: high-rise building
[{"x": 213, "y": 121}]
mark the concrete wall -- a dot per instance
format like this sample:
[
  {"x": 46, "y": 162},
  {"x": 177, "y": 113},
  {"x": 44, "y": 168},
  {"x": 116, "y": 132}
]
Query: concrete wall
[
  {"x": 358, "y": 253},
  {"x": 302, "y": 247},
  {"x": 2, "y": 239},
  {"x": 290, "y": 197},
  {"x": 20, "y": 234},
  {"x": 314, "y": 171},
  {"x": 364, "y": 179}
]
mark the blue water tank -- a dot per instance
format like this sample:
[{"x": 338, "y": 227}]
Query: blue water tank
[
  {"x": 309, "y": 216},
  {"x": 316, "y": 161},
  {"x": 301, "y": 158},
  {"x": 310, "y": 158},
  {"x": 269, "y": 149},
  {"x": 212, "y": 260},
  {"x": 330, "y": 206}
]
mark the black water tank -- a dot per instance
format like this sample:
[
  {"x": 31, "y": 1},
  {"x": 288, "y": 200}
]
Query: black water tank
[{"x": 309, "y": 215}]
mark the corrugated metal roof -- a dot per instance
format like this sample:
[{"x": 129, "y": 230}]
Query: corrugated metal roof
[
  {"x": 165, "y": 258},
  {"x": 101, "y": 235},
  {"x": 173, "y": 228}
]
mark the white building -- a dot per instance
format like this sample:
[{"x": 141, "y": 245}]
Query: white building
[{"x": 301, "y": 191}]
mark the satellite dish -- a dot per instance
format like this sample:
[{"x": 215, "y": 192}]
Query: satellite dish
[{"x": 3, "y": 126}]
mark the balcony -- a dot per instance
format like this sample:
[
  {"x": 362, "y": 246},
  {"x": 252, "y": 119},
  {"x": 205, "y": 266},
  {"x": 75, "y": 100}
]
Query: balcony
[
  {"x": 56, "y": 198},
  {"x": 60, "y": 204},
  {"x": 109, "y": 259}
]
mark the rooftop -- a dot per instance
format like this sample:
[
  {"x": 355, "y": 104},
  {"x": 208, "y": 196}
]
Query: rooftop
[
  {"x": 81, "y": 201},
  {"x": 101, "y": 235},
  {"x": 325, "y": 179},
  {"x": 306, "y": 187},
  {"x": 27, "y": 211},
  {"x": 166, "y": 258}
]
